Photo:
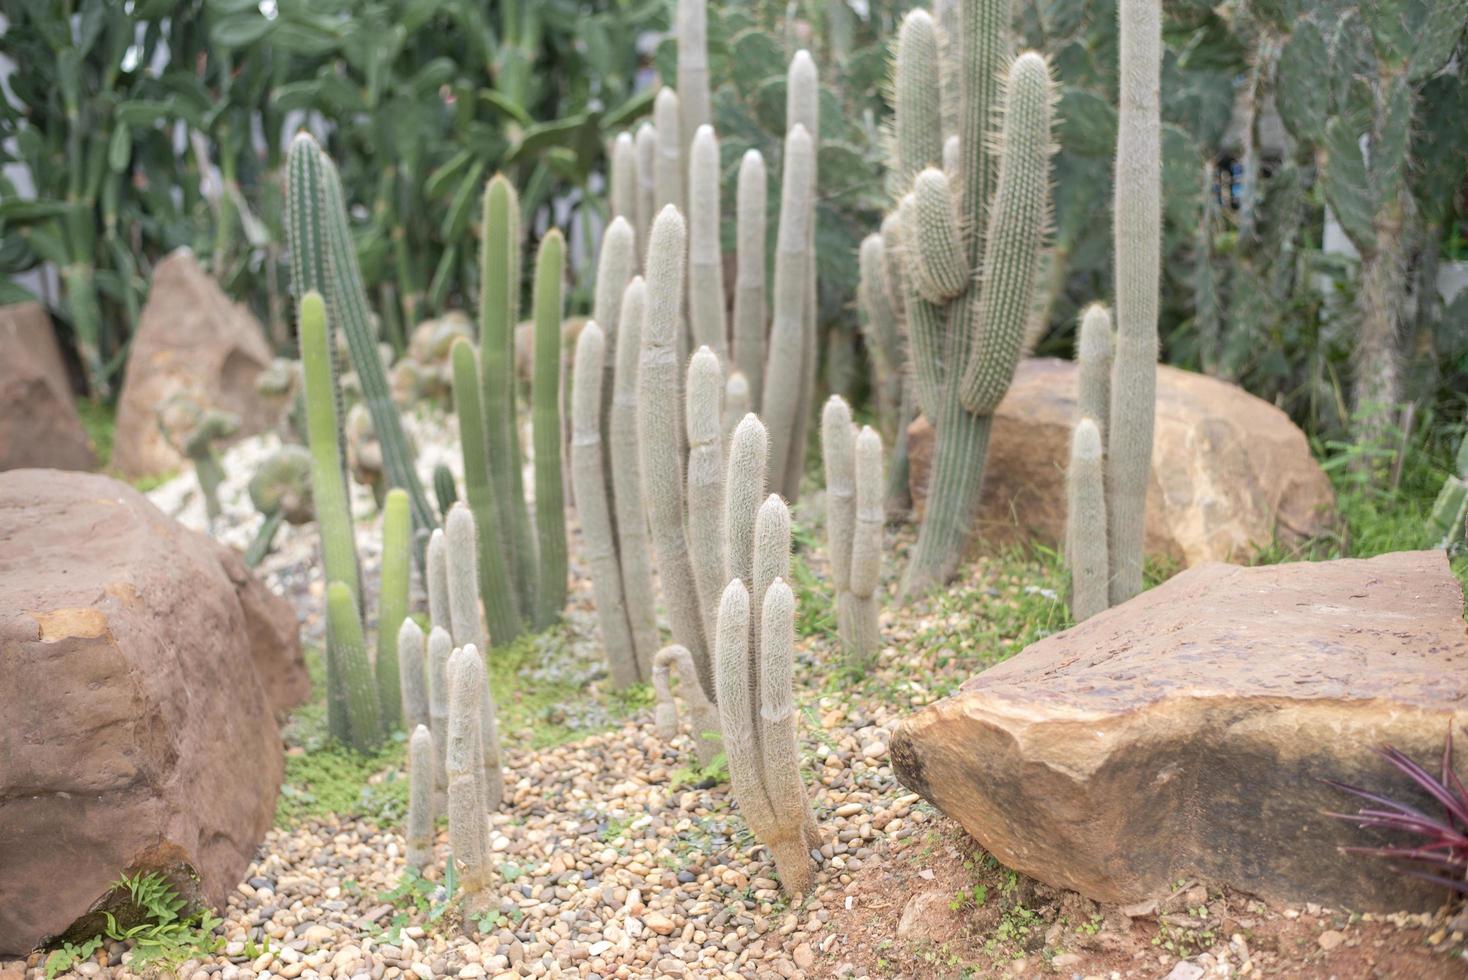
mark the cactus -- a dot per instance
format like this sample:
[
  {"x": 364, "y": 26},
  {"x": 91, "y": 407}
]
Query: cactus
[
  {"x": 646, "y": 142},
  {"x": 324, "y": 260},
  {"x": 545, "y": 394},
  {"x": 392, "y": 609},
  {"x": 669, "y": 172},
  {"x": 703, "y": 717},
  {"x": 736, "y": 403},
  {"x": 1093, "y": 356},
  {"x": 784, "y": 366},
  {"x": 624, "y": 178},
  {"x": 499, "y": 311},
  {"x": 691, "y": 25},
  {"x": 632, "y": 545},
  {"x": 705, "y": 260},
  {"x": 281, "y": 491},
  {"x": 969, "y": 248},
  {"x": 802, "y": 109},
  {"x": 704, "y": 393},
  {"x": 854, "y": 516},
  {"x": 352, "y": 689},
  {"x": 657, "y": 435},
  {"x": 440, "y": 648},
  {"x": 420, "y": 798},
  {"x": 328, "y": 473},
  {"x": 883, "y": 332},
  {"x": 436, "y": 575},
  {"x": 413, "y": 674},
  {"x": 492, "y": 577},
  {"x": 462, "y": 547},
  {"x": 592, "y": 507},
  {"x": 749, "y": 278},
  {"x": 444, "y": 488},
  {"x": 1137, "y": 235},
  {"x": 464, "y": 770},
  {"x": 757, "y": 716},
  {"x": 1085, "y": 529}
]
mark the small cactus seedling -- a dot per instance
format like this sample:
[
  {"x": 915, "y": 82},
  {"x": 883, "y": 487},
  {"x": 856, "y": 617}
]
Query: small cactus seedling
[{"x": 420, "y": 798}]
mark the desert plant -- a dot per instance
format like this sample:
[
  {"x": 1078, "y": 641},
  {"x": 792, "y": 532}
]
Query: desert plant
[
  {"x": 281, "y": 492},
  {"x": 1441, "y": 853},
  {"x": 885, "y": 338},
  {"x": 445, "y": 491},
  {"x": 464, "y": 767},
  {"x": 461, "y": 558},
  {"x": 392, "y": 603},
  {"x": 440, "y": 648},
  {"x": 413, "y": 674},
  {"x": 420, "y": 798},
  {"x": 1085, "y": 527},
  {"x": 196, "y": 432},
  {"x": 328, "y": 470},
  {"x": 968, "y": 282},
  {"x": 545, "y": 395},
  {"x": 703, "y": 717},
  {"x": 854, "y": 518},
  {"x": 354, "y": 714}
]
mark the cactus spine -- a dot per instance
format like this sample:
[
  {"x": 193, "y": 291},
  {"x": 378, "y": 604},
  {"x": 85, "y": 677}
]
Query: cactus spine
[
  {"x": 499, "y": 308},
  {"x": 328, "y": 473},
  {"x": 705, "y": 260},
  {"x": 657, "y": 434},
  {"x": 632, "y": 543},
  {"x": 491, "y": 577},
  {"x": 392, "y": 610},
  {"x": 420, "y": 798},
  {"x": 1085, "y": 531},
  {"x": 324, "y": 259},
  {"x": 757, "y": 714},
  {"x": 413, "y": 674},
  {"x": 965, "y": 346},
  {"x": 592, "y": 507},
  {"x": 1137, "y": 234},
  {"x": 545, "y": 393},
  {"x": 357, "y": 721},
  {"x": 749, "y": 277}
]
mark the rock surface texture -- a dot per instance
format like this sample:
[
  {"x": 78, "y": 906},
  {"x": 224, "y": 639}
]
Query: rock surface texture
[
  {"x": 191, "y": 338},
  {"x": 141, "y": 669},
  {"x": 39, "y": 425},
  {"x": 1185, "y": 733},
  {"x": 1229, "y": 471}
]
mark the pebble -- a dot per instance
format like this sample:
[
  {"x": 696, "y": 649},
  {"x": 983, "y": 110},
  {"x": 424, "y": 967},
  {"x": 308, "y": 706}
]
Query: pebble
[{"x": 1330, "y": 939}]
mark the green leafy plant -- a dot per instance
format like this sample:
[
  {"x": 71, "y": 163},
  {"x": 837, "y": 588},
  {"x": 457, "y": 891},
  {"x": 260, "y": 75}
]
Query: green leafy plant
[
  {"x": 155, "y": 920},
  {"x": 69, "y": 955}
]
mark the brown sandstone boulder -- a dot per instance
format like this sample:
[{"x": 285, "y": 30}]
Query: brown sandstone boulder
[
  {"x": 191, "y": 339},
  {"x": 141, "y": 669},
  {"x": 39, "y": 425},
  {"x": 1230, "y": 472},
  {"x": 1186, "y": 733}
]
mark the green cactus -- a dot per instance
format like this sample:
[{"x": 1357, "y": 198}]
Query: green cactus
[
  {"x": 658, "y": 414},
  {"x": 328, "y": 473},
  {"x": 499, "y": 308},
  {"x": 757, "y": 716},
  {"x": 705, "y": 260},
  {"x": 749, "y": 278},
  {"x": 324, "y": 260},
  {"x": 1137, "y": 236},
  {"x": 1085, "y": 526},
  {"x": 281, "y": 492},
  {"x": 545, "y": 417},
  {"x": 1446, "y": 522},
  {"x": 444, "y": 488},
  {"x": 965, "y": 344},
  {"x": 413, "y": 674},
  {"x": 420, "y": 798},
  {"x": 632, "y": 545},
  {"x": 493, "y": 577},
  {"x": 352, "y": 689},
  {"x": 392, "y": 609},
  {"x": 593, "y": 508}
]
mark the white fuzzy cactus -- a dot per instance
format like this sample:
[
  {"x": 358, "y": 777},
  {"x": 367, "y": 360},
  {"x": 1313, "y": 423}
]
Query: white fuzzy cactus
[{"x": 421, "y": 766}]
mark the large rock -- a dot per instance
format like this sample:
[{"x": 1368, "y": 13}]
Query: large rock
[
  {"x": 190, "y": 339},
  {"x": 1187, "y": 732},
  {"x": 1230, "y": 472},
  {"x": 141, "y": 669},
  {"x": 39, "y": 425}
]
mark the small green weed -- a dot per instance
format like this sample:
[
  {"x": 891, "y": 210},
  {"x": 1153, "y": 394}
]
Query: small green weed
[{"x": 163, "y": 933}]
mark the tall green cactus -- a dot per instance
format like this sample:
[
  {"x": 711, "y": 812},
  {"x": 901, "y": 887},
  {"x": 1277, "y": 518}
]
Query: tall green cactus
[
  {"x": 970, "y": 247},
  {"x": 499, "y": 310},
  {"x": 1137, "y": 234},
  {"x": 352, "y": 689},
  {"x": 545, "y": 417},
  {"x": 492, "y": 574},
  {"x": 323, "y": 432},
  {"x": 444, "y": 488},
  {"x": 594, "y": 509},
  {"x": 324, "y": 260},
  {"x": 392, "y": 609},
  {"x": 1085, "y": 527},
  {"x": 420, "y": 798}
]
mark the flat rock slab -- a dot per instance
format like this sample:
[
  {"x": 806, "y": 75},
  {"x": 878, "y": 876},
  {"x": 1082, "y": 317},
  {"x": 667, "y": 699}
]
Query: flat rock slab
[
  {"x": 1186, "y": 733},
  {"x": 141, "y": 672}
]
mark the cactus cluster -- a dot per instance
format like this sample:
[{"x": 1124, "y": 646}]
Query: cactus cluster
[
  {"x": 854, "y": 518},
  {"x": 884, "y": 333},
  {"x": 1111, "y": 448},
  {"x": 971, "y": 213}
]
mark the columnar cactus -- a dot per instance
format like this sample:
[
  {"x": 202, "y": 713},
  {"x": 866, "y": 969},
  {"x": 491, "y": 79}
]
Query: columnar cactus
[
  {"x": 354, "y": 716},
  {"x": 703, "y": 717},
  {"x": 669, "y": 171},
  {"x": 1137, "y": 235},
  {"x": 693, "y": 69},
  {"x": 749, "y": 278},
  {"x": 328, "y": 471},
  {"x": 413, "y": 674},
  {"x": 1085, "y": 531},
  {"x": 624, "y": 178},
  {"x": 461, "y": 547},
  {"x": 491, "y": 576},
  {"x": 593, "y": 508},
  {"x": 440, "y": 648},
  {"x": 631, "y": 520},
  {"x": 324, "y": 260},
  {"x": 802, "y": 109},
  {"x": 970, "y": 245},
  {"x": 705, "y": 260},
  {"x": 736, "y": 402},
  {"x": 704, "y": 392},
  {"x": 420, "y": 798},
  {"x": 464, "y": 768},
  {"x": 444, "y": 488},
  {"x": 854, "y": 518},
  {"x": 1093, "y": 359},
  {"x": 436, "y": 575},
  {"x": 1445, "y": 523},
  {"x": 392, "y": 609},
  {"x": 757, "y": 716},
  {"x": 882, "y": 333},
  {"x": 545, "y": 393},
  {"x": 646, "y": 142}
]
